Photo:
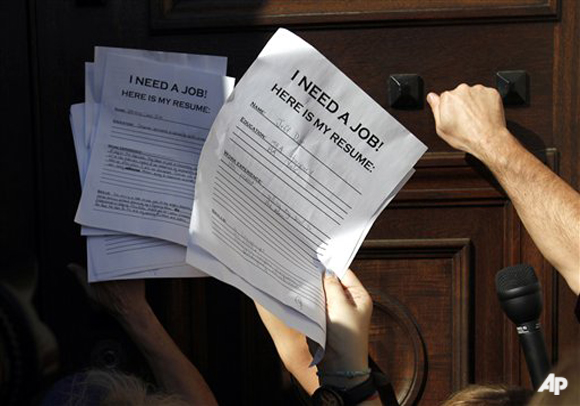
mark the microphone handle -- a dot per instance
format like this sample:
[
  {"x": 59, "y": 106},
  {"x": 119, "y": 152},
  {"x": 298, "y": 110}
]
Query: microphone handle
[{"x": 534, "y": 347}]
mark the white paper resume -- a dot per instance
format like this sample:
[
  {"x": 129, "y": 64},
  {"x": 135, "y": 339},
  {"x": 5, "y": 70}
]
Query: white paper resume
[
  {"x": 125, "y": 256},
  {"x": 153, "y": 121},
  {"x": 297, "y": 166}
]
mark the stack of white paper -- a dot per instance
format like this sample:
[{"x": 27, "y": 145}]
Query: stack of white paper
[
  {"x": 137, "y": 138},
  {"x": 298, "y": 164}
]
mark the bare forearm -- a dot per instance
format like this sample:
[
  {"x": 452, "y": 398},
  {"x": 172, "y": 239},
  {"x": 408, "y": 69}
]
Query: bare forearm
[
  {"x": 293, "y": 350},
  {"x": 171, "y": 368},
  {"x": 548, "y": 207},
  {"x": 298, "y": 364},
  {"x": 472, "y": 119}
]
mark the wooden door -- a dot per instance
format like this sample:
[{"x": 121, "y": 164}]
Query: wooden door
[{"x": 431, "y": 257}]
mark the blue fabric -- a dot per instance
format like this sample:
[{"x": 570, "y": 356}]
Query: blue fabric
[{"x": 72, "y": 390}]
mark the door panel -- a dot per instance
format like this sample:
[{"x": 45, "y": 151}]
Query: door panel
[{"x": 431, "y": 257}]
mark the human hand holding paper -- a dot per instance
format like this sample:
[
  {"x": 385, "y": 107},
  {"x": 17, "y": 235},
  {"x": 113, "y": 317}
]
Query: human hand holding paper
[
  {"x": 349, "y": 308},
  {"x": 298, "y": 164}
]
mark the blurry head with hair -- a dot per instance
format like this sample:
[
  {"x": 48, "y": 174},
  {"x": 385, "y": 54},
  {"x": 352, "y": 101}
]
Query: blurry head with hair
[
  {"x": 489, "y": 395},
  {"x": 108, "y": 388},
  {"x": 123, "y": 389},
  {"x": 501, "y": 395}
]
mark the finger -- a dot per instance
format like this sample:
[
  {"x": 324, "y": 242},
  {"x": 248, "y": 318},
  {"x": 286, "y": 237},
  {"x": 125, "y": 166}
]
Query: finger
[
  {"x": 356, "y": 289},
  {"x": 434, "y": 100},
  {"x": 350, "y": 280},
  {"x": 333, "y": 288}
]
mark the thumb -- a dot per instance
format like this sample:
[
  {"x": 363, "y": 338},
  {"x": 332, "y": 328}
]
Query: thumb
[
  {"x": 333, "y": 289},
  {"x": 433, "y": 100},
  {"x": 356, "y": 290}
]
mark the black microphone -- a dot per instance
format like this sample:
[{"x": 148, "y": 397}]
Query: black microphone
[{"x": 520, "y": 297}]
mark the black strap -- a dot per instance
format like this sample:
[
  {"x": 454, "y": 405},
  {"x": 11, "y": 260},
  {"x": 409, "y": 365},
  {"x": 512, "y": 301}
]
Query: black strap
[
  {"x": 385, "y": 389},
  {"x": 360, "y": 392},
  {"x": 383, "y": 385}
]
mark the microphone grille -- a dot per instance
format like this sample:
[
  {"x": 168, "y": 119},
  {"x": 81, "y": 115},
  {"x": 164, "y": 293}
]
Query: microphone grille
[{"x": 515, "y": 276}]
